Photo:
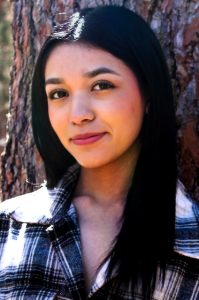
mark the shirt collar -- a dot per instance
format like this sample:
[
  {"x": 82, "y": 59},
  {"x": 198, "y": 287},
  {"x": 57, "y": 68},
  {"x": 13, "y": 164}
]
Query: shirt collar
[
  {"x": 44, "y": 206},
  {"x": 187, "y": 213},
  {"x": 48, "y": 206},
  {"x": 63, "y": 193}
]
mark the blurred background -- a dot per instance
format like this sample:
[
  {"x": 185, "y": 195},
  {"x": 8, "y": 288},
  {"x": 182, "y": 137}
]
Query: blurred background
[{"x": 6, "y": 54}]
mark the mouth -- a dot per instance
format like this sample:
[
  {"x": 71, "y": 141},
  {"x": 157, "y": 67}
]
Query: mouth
[{"x": 87, "y": 138}]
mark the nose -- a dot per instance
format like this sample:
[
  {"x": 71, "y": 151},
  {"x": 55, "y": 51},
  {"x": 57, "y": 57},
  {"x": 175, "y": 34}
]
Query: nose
[{"x": 81, "y": 111}]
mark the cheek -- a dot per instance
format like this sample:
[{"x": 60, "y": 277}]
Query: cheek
[
  {"x": 57, "y": 119},
  {"x": 126, "y": 111},
  {"x": 127, "y": 118},
  {"x": 52, "y": 118}
]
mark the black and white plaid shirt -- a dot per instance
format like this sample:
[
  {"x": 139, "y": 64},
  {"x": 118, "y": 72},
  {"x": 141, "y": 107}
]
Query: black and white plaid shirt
[{"x": 40, "y": 250}]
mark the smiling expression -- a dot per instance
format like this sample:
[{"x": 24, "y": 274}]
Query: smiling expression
[{"x": 94, "y": 103}]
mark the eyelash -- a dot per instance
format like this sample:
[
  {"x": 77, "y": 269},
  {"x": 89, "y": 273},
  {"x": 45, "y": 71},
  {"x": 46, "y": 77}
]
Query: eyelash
[
  {"x": 51, "y": 95},
  {"x": 105, "y": 85},
  {"x": 108, "y": 85}
]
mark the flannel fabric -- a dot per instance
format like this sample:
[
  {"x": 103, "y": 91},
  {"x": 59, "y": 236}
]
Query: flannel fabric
[{"x": 40, "y": 250}]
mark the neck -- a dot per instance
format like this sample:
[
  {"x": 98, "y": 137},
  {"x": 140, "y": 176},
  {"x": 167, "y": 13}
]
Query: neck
[{"x": 108, "y": 184}]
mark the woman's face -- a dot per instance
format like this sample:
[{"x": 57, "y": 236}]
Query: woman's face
[{"x": 94, "y": 104}]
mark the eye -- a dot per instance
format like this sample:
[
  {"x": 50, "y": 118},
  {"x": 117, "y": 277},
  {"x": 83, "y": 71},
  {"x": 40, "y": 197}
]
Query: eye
[
  {"x": 57, "y": 94},
  {"x": 102, "y": 85}
]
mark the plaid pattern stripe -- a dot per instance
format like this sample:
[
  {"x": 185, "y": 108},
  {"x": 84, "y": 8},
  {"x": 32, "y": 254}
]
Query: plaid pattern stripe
[{"x": 40, "y": 250}]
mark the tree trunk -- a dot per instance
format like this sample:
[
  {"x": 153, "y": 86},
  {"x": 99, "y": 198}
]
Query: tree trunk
[{"x": 176, "y": 24}]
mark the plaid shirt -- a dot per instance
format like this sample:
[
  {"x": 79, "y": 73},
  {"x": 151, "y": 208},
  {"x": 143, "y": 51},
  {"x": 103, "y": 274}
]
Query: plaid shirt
[{"x": 40, "y": 250}]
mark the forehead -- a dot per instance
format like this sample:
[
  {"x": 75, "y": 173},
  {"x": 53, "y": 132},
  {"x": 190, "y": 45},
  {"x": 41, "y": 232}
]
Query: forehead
[
  {"x": 81, "y": 57},
  {"x": 71, "y": 59}
]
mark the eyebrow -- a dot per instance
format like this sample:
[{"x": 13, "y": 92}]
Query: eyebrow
[
  {"x": 89, "y": 74},
  {"x": 102, "y": 70},
  {"x": 54, "y": 81}
]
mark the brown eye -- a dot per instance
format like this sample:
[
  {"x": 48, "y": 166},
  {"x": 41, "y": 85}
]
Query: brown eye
[
  {"x": 102, "y": 85},
  {"x": 58, "y": 94}
]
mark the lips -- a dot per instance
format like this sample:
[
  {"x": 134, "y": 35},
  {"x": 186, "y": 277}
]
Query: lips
[{"x": 87, "y": 138}]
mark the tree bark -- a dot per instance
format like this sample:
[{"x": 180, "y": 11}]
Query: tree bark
[{"x": 176, "y": 24}]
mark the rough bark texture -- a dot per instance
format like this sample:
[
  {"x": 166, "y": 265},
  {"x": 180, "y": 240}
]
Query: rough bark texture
[{"x": 176, "y": 23}]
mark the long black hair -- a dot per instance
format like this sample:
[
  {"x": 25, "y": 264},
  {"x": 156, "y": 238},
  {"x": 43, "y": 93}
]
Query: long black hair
[{"x": 146, "y": 237}]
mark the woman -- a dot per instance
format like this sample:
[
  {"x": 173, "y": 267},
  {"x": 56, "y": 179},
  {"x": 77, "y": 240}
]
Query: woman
[{"x": 104, "y": 123}]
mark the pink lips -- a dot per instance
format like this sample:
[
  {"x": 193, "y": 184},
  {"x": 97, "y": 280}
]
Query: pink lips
[{"x": 88, "y": 138}]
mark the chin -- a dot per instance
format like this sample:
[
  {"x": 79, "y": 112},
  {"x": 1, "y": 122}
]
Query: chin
[
  {"x": 92, "y": 163},
  {"x": 96, "y": 162}
]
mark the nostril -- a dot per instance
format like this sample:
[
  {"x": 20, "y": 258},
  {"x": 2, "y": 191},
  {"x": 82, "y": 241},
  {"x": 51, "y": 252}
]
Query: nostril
[{"x": 82, "y": 118}]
